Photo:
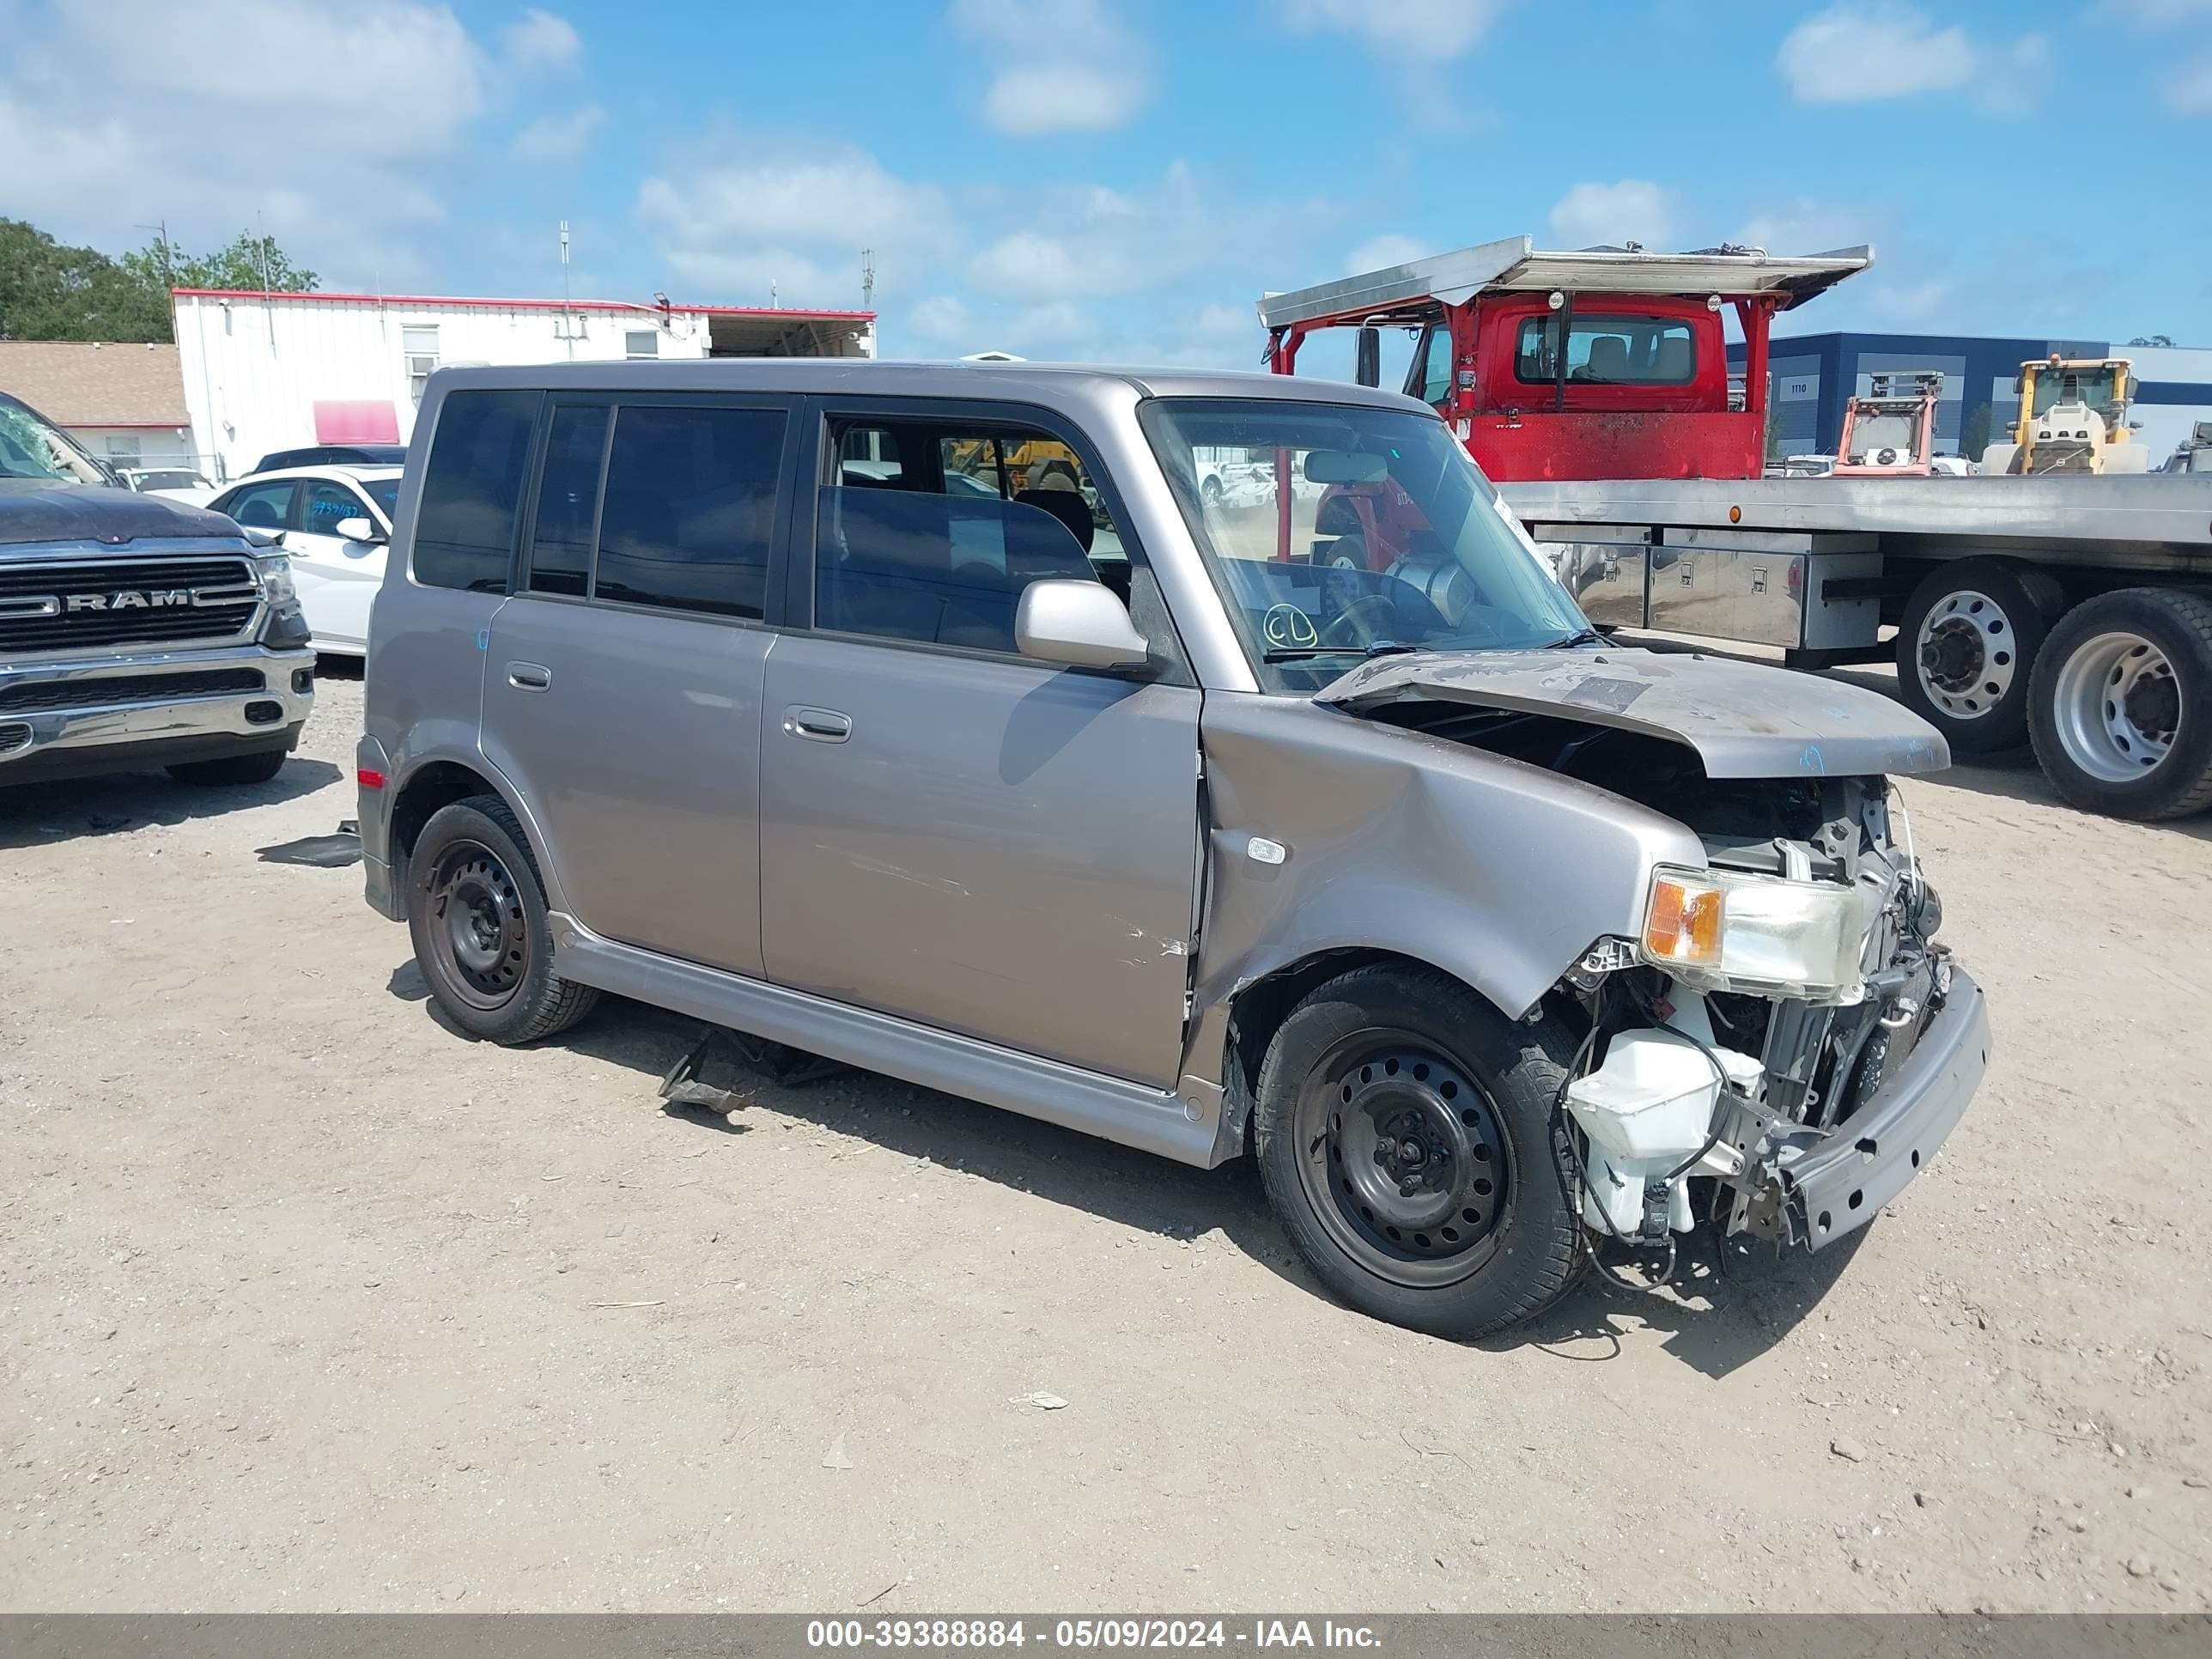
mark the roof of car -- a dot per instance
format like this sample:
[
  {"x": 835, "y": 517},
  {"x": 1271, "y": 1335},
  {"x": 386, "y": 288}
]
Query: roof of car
[
  {"x": 1044, "y": 383},
  {"x": 354, "y": 471}
]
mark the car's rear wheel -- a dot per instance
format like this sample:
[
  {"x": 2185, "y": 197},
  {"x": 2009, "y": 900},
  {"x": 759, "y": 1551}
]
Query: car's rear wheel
[
  {"x": 477, "y": 916},
  {"x": 1406, "y": 1139},
  {"x": 232, "y": 769}
]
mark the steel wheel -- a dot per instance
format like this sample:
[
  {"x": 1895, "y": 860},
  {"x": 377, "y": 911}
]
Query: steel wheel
[
  {"x": 1967, "y": 654},
  {"x": 480, "y": 922},
  {"x": 2117, "y": 706},
  {"x": 1402, "y": 1159}
]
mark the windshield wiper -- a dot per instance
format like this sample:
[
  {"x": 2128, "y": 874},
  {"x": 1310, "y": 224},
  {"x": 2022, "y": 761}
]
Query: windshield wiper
[
  {"x": 1300, "y": 653},
  {"x": 1582, "y": 636}
]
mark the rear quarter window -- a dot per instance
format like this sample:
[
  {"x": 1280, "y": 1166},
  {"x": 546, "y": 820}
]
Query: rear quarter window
[{"x": 472, "y": 491}]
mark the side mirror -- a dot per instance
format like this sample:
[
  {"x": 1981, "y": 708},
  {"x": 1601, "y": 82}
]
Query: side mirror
[
  {"x": 358, "y": 529},
  {"x": 1367, "y": 358},
  {"x": 1077, "y": 623}
]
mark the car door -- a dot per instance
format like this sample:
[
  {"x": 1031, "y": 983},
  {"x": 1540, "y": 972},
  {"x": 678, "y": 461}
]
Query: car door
[
  {"x": 623, "y": 683},
  {"x": 338, "y": 577},
  {"x": 953, "y": 832}
]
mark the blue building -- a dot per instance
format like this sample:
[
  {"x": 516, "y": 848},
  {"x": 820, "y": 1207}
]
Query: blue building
[{"x": 1814, "y": 374}]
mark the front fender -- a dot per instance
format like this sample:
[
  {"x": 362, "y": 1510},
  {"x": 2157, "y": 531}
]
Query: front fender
[{"x": 1498, "y": 872}]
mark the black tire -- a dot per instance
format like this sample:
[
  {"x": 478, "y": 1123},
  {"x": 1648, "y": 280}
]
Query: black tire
[
  {"x": 232, "y": 769},
  {"x": 472, "y": 872},
  {"x": 1989, "y": 621},
  {"x": 1212, "y": 489},
  {"x": 2106, "y": 765},
  {"x": 1399, "y": 1088}
]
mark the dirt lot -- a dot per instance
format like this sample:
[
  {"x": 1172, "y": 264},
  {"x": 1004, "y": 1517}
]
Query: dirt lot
[{"x": 312, "y": 1304}]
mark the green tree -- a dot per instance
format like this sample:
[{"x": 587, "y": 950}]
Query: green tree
[
  {"x": 51, "y": 291},
  {"x": 252, "y": 262},
  {"x": 2151, "y": 340}
]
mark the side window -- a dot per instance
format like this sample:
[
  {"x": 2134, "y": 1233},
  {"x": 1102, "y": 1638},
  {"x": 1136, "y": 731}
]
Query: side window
[
  {"x": 1430, "y": 379},
  {"x": 944, "y": 560},
  {"x": 264, "y": 506},
  {"x": 569, "y": 500},
  {"x": 869, "y": 455},
  {"x": 328, "y": 506},
  {"x": 690, "y": 509},
  {"x": 472, "y": 488}
]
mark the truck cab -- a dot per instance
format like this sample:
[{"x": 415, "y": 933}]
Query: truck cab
[{"x": 1607, "y": 362}]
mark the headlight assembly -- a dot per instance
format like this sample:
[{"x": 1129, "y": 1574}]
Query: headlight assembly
[
  {"x": 275, "y": 570},
  {"x": 1722, "y": 930}
]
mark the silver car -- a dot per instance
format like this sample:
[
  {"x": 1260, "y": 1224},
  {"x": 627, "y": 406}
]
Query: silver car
[{"x": 1331, "y": 835}]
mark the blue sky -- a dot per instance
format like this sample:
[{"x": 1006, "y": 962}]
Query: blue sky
[{"x": 1119, "y": 178}]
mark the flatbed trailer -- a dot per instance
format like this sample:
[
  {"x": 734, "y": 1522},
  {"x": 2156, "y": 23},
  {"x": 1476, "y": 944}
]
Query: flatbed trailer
[{"x": 2073, "y": 612}]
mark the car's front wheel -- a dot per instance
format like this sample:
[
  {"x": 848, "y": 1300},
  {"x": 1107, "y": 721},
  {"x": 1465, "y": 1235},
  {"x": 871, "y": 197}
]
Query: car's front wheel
[
  {"x": 1407, "y": 1141},
  {"x": 477, "y": 916}
]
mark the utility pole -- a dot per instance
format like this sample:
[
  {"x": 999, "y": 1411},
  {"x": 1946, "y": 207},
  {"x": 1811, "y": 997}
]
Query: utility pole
[
  {"x": 867, "y": 279},
  {"x": 567, "y": 317}
]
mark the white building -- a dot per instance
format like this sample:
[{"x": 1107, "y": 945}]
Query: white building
[{"x": 278, "y": 371}]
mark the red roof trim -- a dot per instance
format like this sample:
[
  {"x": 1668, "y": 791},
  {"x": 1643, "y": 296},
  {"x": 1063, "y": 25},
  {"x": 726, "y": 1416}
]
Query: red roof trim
[{"x": 525, "y": 305}]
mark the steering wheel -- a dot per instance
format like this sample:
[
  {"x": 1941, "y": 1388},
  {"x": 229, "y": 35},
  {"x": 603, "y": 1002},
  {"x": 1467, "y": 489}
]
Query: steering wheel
[{"x": 1363, "y": 620}]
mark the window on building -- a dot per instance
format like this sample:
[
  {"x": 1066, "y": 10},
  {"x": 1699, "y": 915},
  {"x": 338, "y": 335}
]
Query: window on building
[
  {"x": 690, "y": 509},
  {"x": 641, "y": 344},
  {"x": 1607, "y": 349},
  {"x": 568, "y": 501},
  {"x": 124, "y": 448},
  {"x": 471, "y": 486},
  {"x": 418, "y": 342}
]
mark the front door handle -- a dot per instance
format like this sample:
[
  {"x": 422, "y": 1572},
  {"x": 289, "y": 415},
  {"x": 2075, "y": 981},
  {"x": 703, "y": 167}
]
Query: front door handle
[
  {"x": 529, "y": 675},
  {"x": 818, "y": 725}
]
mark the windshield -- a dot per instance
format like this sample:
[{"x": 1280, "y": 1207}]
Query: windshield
[
  {"x": 2092, "y": 386},
  {"x": 384, "y": 492},
  {"x": 1395, "y": 539},
  {"x": 31, "y": 448},
  {"x": 1871, "y": 433}
]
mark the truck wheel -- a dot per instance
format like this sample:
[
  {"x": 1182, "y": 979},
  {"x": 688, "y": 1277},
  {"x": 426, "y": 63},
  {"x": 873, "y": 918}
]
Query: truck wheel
[
  {"x": 1210, "y": 489},
  {"x": 1407, "y": 1143},
  {"x": 232, "y": 769},
  {"x": 1966, "y": 648},
  {"x": 476, "y": 914},
  {"x": 2122, "y": 712}
]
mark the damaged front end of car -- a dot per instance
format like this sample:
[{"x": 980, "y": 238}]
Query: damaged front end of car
[{"x": 1783, "y": 1044}]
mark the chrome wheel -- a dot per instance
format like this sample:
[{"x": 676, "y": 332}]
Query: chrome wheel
[
  {"x": 1967, "y": 654},
  {"x": 1403, "y": 1158},
  {"x": 2116, "y": 707}
]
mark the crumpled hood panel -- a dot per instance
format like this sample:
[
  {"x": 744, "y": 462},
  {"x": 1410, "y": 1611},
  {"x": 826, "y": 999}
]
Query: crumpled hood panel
[{"x": 1744, "y": 720}]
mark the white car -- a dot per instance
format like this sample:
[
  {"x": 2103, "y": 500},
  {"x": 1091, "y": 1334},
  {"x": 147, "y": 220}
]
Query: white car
[
  {"x": 178, "y": 483},
  {"x": 335, "y": 522}
]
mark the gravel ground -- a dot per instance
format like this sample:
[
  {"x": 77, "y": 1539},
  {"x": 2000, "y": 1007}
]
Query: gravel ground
[{"x": 312, "y": 1305}]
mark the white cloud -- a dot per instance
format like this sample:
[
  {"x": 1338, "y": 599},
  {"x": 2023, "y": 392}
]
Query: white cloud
[
  {"x": 1631, "y": 210},
  {"x": 558, "y": 137},
  {"x": 212, "y": 125},
  {"x": 1914, "y": 302},
  {"x": 539, "y": 37},
  {"x": 1381, "y": 252},
  {"x": 1805, "y": 226},
  {"x": 1436, "y": 28},
  {"x": 1056, "y": 323},
  {"x": 1068, "y": 66},
  {"x": 1864, "y": 50},
  {"x": 941, "y": 317},
  {"x": 2190, "y": 92}
]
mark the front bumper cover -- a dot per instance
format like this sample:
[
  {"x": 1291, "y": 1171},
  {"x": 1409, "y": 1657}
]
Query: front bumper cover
[
  {"x": 78, "y": 731},
  {"x": 1839, "y": 1188}
]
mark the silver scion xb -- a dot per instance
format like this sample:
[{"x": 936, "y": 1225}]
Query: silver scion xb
[{"x": 936, "y": 719}]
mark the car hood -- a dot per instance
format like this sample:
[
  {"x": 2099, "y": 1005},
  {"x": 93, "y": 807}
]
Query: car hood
[
  {"x": 1743, "y": 719},
  {"x": 87, "y": 513}
]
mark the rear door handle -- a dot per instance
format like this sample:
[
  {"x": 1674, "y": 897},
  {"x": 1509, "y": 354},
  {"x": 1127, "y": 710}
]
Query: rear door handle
[
  {"x": 817, "y": 725},
  {"x": 529, "y": 675}
]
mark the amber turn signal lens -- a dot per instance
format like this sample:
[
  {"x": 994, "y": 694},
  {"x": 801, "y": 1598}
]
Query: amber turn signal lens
[{"x": 1684, "y": 925}]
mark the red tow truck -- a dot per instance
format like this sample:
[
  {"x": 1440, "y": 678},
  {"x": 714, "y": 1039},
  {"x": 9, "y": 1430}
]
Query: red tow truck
[{"x": 1593, "y": 386}]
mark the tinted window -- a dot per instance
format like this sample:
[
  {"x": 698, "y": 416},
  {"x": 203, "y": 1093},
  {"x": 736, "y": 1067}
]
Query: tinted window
[
  {"x": 329, "y": 504},
  {"x": 384, "y": 492},
  {"x": 947, "y": 569},
  {"x": 690, "y": 509},
  {"x": 465, "y": 527},
  {"x": 1608, "y": 348},
  {"x": 568, "y": 501},
  {"x": 264, "y": 506}
]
